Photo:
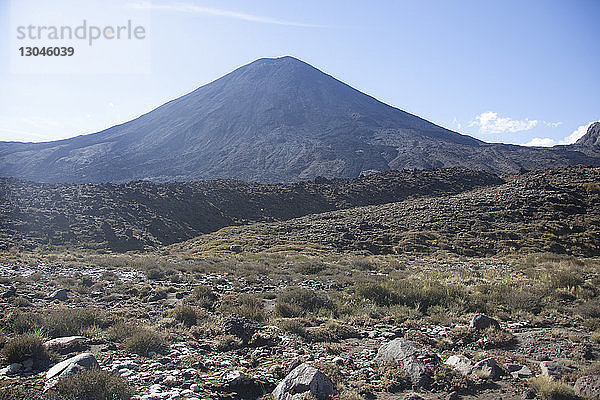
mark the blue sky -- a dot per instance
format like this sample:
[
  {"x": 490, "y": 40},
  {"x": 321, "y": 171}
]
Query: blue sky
[{"x": 508, "y": 71}]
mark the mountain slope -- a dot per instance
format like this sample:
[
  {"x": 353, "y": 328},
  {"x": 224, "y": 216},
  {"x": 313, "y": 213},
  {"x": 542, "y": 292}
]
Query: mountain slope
[
  {"x": 274, "y": 120},
  {"x": 142, "y": 214},
  {"x": 556, "y": 210}
]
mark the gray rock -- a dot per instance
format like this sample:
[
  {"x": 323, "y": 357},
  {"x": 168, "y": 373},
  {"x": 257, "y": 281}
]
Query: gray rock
[
  {"x": 519, "y": 371},
  {"x": 11, "y": 369},
  {"x": 460, "y": 363},
  {"x": 10, "y": 292},
  {"x": 552, "y": 369},
  {"x": 487, "y": 368},
  {"x": 482, "y": 322},
  {"x": 588, "y": 387},
  {"x": 67, "y": 344},
  {"x": 70, "y": 366},
  {"x": 60, "y": 294},
  {"x": 417, "y": 362},
  {"x": 304, "y": 379}
]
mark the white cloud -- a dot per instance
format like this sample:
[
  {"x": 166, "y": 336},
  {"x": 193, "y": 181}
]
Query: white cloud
[
  {"x": 191, "y": 8},
  {"x": 572, "y": 138},
  {"x": 541, "y": 142},
  {"x": 490, "y": 122},
  {"x": 577, "y": 133}
]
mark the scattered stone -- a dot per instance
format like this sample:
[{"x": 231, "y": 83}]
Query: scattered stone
[
  {"x": 60, "y": 294},
  {"x": 482, "y": 322},
  {"x": 66, "y": 345},
  {"x": 460, "y": 363},
  {"x": 487, "y": 369},
  {"x": 417, "y": 362},
  {"x": 304, "y": 379},
  {"x": 588, "y": 387},
  {"x": 529, "y": 394}
]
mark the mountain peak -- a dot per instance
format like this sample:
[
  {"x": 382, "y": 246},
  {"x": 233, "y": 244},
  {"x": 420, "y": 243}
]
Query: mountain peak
[{"x": 592, "y": 136}]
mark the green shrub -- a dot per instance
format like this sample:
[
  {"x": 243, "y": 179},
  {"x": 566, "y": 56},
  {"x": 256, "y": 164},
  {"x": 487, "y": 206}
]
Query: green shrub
[
  {"x": 185, "y": 314},
  {"x": 26, "y": 346},
  {"x": 71, "y": 321},
  {"x": 144, "y": 341},
  {"x": 297, "y": 302},
  {"x": 549, "y": 389},
  {"x": 566, "y": 279},
  {"x": 93, "y": 385},
  {"x": 331, "y": 331},
  {"x": 204, "y": 297},
  {"x": 121, "y": 331},
  {"x": 245, "y": 305}
]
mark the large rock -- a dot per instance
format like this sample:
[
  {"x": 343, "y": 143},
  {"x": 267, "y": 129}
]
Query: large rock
[
  {"x": 70, "y": 366},
  {"x": 66, "y": 345},
  {"x": 482, "y": 322},
  {"x": 488, "y": 368},
  {"x": 460, "y": 363},
  {"x": 303, "y": 380},
  {"x": 519, "y": 371},
  {"x": 553, "y": 370},
  {"x": 588, "y": 387},
  {"x": 60, "y": 294},
  {"x": 416, "y": 362}
]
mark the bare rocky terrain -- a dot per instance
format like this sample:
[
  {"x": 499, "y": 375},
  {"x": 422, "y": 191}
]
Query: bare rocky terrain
[{"x": 376, "y": 327}]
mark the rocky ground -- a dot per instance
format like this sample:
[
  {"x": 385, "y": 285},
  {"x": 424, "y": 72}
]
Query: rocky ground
[{"x": 349, "y": 327}]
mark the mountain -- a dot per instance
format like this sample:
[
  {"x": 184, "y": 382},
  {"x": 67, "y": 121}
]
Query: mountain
[
  {"x": 273, "y": 120},
  {"x": 591, "y": 138},
  {"x": 141, "y": 214}
]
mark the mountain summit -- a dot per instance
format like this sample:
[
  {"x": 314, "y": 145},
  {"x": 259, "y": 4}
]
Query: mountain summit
[{"x": 272, "y": 120}]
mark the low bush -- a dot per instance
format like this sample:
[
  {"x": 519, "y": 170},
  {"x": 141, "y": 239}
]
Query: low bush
[
  {"x": 143, "y": 341},
  {"x": 24, "y": 347},
  {"x": 185, "y": 314},
  {"x": 93, "y": 385},
  {"x": 548, "y": 389},
  {"x": 298, "y": 302}
]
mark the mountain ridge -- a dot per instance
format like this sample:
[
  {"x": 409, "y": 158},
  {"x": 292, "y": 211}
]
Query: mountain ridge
[{"x": 273, "y": 120}]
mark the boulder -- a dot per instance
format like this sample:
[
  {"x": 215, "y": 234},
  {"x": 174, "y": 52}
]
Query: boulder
[
  {"x": 60, "y": 294},
  {"x": 10, "y": 292},
  {"x": 417, "y": 362},
  {"x": 487, "y": 368},
  {"x": 66, "y": 345},
  {"x": 304, "y": 380},
  {"x": 519, "y": 371},
  {"x": 70, "y": 366},
  {"x": 588, "y": 387},
  {"x": 460, "y": 363},
  {"x": 482, "y": 322},
  {"x": 552, "y": 369}
]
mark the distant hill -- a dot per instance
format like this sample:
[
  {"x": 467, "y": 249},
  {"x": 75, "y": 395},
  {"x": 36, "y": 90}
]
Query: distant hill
[
  {"x": 554, "y": 211},
  {"x": 139, "y": 214},
  {"x": 273, "y": 120}
]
